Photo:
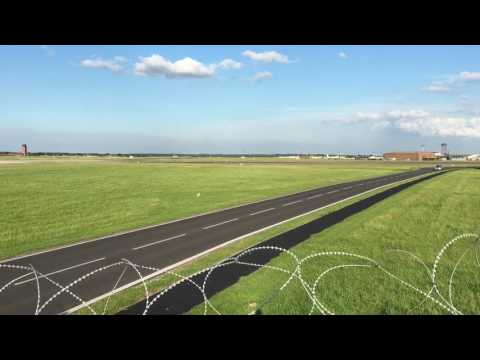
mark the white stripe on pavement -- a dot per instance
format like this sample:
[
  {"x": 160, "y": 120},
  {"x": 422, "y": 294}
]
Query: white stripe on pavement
[
  {"x": 211, "y": 226},
  {"x": 184, "y": 261},
  {"x": 59, "y": 271},
  {"x": 159, "y": 242},
  {"x": 293, "y": 202},
  {"x": 261, "y": 211}
]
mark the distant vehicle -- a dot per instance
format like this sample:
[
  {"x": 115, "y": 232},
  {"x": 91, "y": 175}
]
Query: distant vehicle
[{"x": 438, "y": 168}]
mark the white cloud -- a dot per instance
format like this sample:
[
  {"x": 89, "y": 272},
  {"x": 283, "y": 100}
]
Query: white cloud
[
  {"x": 120, "y": 59},
  {"x": 369, "y": 116},
  {"x": 262, "y": 75},
  {"x": 266, "y": 57},
  {"x": 98, "y": 63},
  {"x": 48, "y": 50},
  {"x": 184, "y": 68},
  {"x": 469, "y": 76},
  {"x": 453, "y": 82},
  {"x": 390, "y": 115},
  {"x": 230, "y": 64},
  {"x": 187, "y": 67},
  {"x": 424, "y": 123},
  {"x": 342, "y": 55},
  {"x": 438, "y": 88}
]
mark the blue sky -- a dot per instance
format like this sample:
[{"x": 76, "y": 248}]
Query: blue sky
[{"x": 232, "y": 99}]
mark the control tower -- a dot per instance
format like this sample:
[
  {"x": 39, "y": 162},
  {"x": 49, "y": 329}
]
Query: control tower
[
  {"x": 24, "y": 150},
  {"x": 444, "y": 150}
]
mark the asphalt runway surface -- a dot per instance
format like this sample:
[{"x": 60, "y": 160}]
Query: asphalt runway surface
[
  {"x": 185, "y": 295},
  {"x": 159, "y": 246}
]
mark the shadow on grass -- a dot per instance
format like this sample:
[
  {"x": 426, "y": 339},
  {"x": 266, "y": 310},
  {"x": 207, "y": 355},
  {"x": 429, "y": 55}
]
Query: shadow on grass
[{"x": 185, "y": 296}]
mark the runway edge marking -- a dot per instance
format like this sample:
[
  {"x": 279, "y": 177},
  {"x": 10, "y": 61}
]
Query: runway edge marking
[
  {"x": 179, "y": 263},
  {"x": 60, "y": 271},
  {"x": 189, "y": 217}
]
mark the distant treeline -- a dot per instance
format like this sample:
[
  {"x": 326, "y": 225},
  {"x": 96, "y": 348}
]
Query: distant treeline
[
  {"x": 183, "y": 155},
  {"x": 197, "y": 155},
  {"x": 353, "y": 156}
]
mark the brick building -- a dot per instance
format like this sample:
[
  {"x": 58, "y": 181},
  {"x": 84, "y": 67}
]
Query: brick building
[{"x": 410, "y": 155}]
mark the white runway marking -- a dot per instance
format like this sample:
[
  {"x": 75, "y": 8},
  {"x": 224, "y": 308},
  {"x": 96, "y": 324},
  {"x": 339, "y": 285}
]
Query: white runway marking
[
  {"x": 347, "y": 188},
  {"x": 293, "y": 202},
  {"x": 159, "y": 242},
  {"x": 331, "y": 192},
  {"x": 262, "y": 211},
  {"x": 211, "y": 226},
  {"x": 59, "y": 271},
  {"x": 222, "y": 245},
  {"x": 314, "y": 196}
]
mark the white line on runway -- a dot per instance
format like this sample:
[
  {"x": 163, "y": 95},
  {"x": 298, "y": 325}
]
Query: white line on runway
[
  {"x": 331, "y": 192},
  {"x": 262, "y": 211},
  {"x": 59, "y": 271},
  {"x": 211, "y": 226},
  {"x": 159, "y": 241},
  {"x": 348, "y": 187},
  {"x": 314, "y": 196},
  {"x": 184, "y": 261},
  {"x": 293, "y": 202}
]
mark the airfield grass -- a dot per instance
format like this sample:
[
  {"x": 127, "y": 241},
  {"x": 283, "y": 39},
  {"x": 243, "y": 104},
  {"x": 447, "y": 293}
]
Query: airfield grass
[
  {"x": 119, "y": 301},
  {"x": 419, "y": 220},
  {"x": 45, "y": 204}
]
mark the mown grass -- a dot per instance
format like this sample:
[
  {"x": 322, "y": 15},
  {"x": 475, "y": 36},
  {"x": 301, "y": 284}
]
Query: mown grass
[
  {"x": 51, "y": 203},
  {"x": 420, "y": 220},
  {"x": 135, "y": 294}
]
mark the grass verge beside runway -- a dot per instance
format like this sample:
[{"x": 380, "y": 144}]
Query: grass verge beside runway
[
  {"x": 417, "y": 222},
  {"x": 47, "y": 204},
  {"x": 136, "y": 294}
]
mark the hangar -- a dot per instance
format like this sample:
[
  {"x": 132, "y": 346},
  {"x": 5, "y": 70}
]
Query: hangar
[{"x": 410, "y": 155}]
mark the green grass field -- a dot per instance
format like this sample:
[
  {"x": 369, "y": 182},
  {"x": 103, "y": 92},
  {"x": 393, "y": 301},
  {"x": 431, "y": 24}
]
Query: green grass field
[
  {"x": 399, "y": 233},
  {"x": 51, "y": 202},
  {"x": 135, "y": 294}
]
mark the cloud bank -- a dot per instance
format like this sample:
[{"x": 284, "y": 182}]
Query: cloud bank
[
  {"x": 423, "y": 123},
  {"x": 454, "y": 82}
]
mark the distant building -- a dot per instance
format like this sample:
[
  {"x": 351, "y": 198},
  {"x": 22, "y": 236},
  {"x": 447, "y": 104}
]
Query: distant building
[
  {"x": 24, "y": 150},
  {"x": 441, "y": 156},
  {"x": 444, "y": 149},
  {"x": 411, "y": 155},
  {"x": 473, "y": 157},
  {"x": 290, "y": 157}
]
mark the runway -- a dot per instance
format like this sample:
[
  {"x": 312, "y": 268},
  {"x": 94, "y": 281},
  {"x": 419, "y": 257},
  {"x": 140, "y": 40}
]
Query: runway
[
  {"x": 160, "y": 246},
  {"x": 187, "y": 294}
]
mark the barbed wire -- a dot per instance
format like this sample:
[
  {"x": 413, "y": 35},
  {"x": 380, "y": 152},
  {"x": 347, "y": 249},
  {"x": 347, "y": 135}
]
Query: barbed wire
[{"x": 311, "y": 289}]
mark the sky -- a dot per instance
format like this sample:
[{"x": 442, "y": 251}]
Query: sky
[{"x": 239, "y": 99}]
